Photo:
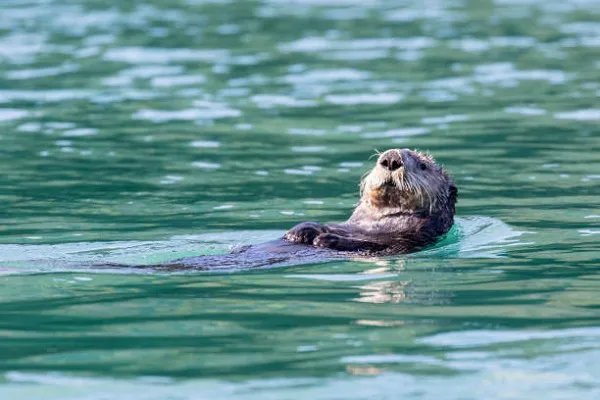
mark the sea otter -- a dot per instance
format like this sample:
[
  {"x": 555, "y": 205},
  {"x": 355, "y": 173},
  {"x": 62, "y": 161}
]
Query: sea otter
[{"x": 407, "y": 203}]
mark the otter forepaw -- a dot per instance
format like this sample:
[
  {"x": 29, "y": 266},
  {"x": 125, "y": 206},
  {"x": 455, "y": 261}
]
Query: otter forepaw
[
  {"x": 305, "y": 232},
  {"x": 327, "y": 240}
]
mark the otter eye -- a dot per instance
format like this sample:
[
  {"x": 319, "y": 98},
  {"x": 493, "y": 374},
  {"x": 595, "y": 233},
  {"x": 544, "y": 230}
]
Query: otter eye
[{"x": 423, "y": 166}]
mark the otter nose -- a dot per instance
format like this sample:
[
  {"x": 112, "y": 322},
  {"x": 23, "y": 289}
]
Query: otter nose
[{"x": 391, "y": 160}]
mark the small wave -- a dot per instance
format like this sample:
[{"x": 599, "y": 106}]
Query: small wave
[
  {"x": 471, "y": 237},
  {"x": 477, "y": 237}
]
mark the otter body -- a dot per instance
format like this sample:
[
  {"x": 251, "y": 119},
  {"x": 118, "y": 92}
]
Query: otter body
[
  {"x": 407, "y": 203},
  {"x": 279, "y": 252}
]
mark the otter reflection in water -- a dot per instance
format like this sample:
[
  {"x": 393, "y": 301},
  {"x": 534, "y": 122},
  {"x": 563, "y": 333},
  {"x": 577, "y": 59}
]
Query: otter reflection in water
[{"x": 407, "y": 203}]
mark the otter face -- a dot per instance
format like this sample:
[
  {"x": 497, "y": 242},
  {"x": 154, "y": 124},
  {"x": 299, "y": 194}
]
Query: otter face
[{"x": 409, "y": 181}]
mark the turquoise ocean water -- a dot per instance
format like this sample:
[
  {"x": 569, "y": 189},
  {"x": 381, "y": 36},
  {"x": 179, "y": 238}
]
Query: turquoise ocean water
[{"x": 141, "y": 131}]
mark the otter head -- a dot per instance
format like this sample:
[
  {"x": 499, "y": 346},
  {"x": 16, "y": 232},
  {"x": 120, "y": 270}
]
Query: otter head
[{"x": 406, "y": 181}]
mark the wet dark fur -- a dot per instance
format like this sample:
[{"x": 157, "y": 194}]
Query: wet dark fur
[
  {"x": 407, "y": 203},
  {"x": 400, "y": 211}
]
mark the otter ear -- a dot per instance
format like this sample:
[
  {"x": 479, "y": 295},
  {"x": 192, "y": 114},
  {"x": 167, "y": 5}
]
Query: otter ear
[{"x": 453, "y": 194}]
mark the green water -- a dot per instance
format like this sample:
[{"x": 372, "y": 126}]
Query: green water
[{"x": 141, "y": 131}]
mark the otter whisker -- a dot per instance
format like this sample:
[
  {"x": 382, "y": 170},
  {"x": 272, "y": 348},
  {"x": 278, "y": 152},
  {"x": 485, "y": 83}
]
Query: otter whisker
[
  {"x": 420, "y": 190},
  {"x": 376, "y": 154},
  {"x": 364, "y": 176}
]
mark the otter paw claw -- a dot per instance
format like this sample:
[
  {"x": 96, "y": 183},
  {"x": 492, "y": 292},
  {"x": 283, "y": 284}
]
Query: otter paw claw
[
  {"x": 305, "y": 233},
  {"x": 327, "y": 240}
]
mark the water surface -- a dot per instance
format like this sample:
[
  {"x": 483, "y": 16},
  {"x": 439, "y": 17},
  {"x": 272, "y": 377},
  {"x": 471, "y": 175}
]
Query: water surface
[{"x": 149, "y": 130}]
